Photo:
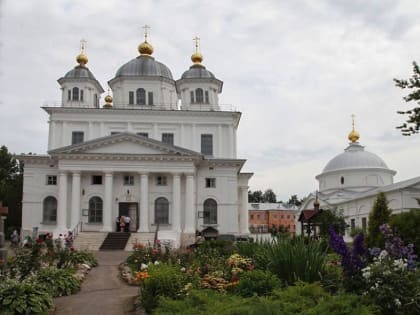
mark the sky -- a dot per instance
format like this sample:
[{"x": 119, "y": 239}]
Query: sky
[{"x": 297, "y": 70}]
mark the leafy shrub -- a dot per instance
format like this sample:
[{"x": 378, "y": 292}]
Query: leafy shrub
[
  {"x": 23, "y": 297},
  {"x": 257, "y": 282},
  {"x": 293, "y": 260},
  {"x": 58, "y": 282},
  {"x": 407, "y": 226},
  {"x": 305, "y": 299},
  {"x": 83, "y": 257},
  {"x": 257, "y": 250},
  {"x": 162, "y": 280}
]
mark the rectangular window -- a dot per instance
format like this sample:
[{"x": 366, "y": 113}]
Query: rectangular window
[
  {"x": 206, "y": 95},
  {"x": 96, "y": 179},
  {"x": 77, "y": 137},
  {"x": 150, "y": 98},
  {"x": 131, "y": 98},
  {"x": 115, "y": 132},
  {"x": 275, "y": 216},
  {"x": 81, "y": 95},
  {"x": 128, "y": 180},
  {"x": 192, "y": 97},
  {"x": 258, "y": 216},
  {"x": 69, "y": 95},
  {"x": 252, "y": 217},
  {"x": 352, "y": 224},
  {"x": 207, "y": 144},
  {"x": 210, "y": 182},
  {"x": 161, "y": 180},
  {"x": 143, "y": 134},
  {"x": 364, "y": 225},
  {"x": 51, "y": 180},
  {"x": 168, "y": 138},
  {"x": 96, "y": 100}
]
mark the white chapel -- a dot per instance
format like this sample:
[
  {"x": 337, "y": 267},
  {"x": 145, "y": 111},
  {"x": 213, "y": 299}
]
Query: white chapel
[
  {"x": 351, "y": 181},
  {"x": 161, "y": 151}
]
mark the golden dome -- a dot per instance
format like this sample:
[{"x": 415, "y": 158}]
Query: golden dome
[
  {"x": 145, "y": 48},
  {"x": 354, "y": 136},
  {"x": 108, "y": 99},
  {"x": 197, "y": 58},
  {"x": 82, "y": 59}
]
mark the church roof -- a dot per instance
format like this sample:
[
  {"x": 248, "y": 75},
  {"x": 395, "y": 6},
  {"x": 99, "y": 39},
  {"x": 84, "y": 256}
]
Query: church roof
[
  {"x": 79, "y": 72},
  {"x": 144, "y": 65},
  {"x": 197, "y": 71},
  {"x": 355, "y": 157}
]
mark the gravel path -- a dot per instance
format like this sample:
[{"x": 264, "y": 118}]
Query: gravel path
[{"x": 102, "y": 292}]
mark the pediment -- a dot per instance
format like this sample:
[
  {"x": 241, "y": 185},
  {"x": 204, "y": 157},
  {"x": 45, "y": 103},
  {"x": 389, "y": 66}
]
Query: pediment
[{"x": 124, "y": 144}]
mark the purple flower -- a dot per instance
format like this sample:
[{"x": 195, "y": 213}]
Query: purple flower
[
  {"x": 374, "y": 251},
  {"x": 359, "y": 251}
]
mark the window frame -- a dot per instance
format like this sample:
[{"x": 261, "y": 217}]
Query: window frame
[
  {"x": 140, "y": 96},
  {"x": 75, "y": 94},
  {"x": 95, "y": 180},
  {"x": 207, "y": 144},
  {"x": 51, "y": 180},
  {"x": 96, "y": 207},
  {"x": 77, "y": 137},
  {"x": 49, "y": 211},
  {"x": 210, "y": 182},
  {"x": 143, "y": 134},
  {"x": 210, "y": 211},
  {"x": 168, "y": 138},
  {"x": 131, "y": 98},
  {"x": 150, "y": 98},
  {"x": 161, "y": 180},
  {"x": 128, "y": 180},
  {"x": 199, "y": 95},
  {"x": 161, "y": 211}
]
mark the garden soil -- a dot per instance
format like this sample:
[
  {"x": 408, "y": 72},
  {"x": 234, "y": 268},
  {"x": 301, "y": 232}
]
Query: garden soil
[{"x": 103, "y": 292}]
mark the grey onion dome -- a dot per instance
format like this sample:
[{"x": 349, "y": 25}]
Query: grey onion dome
[
  {"x": 80, "y": 72},
  {"x": 144, "y": 66},
  {"x": 197, "y": 71},
  {"x": 355, "y": 157}
]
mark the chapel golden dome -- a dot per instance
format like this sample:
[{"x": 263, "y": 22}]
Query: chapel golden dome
[
  {"x": 353, "y": 135},
  {"x": 108, "y": 101},
  {"x": 81, "y": 58},
  {"x": 145, "y": 48},
  {"x": 197, "y": 57}
]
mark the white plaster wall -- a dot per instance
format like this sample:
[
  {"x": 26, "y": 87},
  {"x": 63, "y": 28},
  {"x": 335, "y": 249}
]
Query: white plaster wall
[{"x": 89, "y": 90}]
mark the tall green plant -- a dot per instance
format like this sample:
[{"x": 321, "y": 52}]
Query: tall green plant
[
  {"x": 379, "y": 215},
  {"x": 293, "y": 260}
]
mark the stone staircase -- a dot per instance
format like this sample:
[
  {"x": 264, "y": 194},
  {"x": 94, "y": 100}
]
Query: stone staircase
[
  {"x": 89, "y": 240},
  {"x": 93, "y": 240},
  {"x": 142, "y": 238},
  {"x": 115, "y": 241}
]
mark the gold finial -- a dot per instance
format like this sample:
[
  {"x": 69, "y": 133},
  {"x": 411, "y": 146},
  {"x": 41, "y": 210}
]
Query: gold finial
[
  {"x": 196, "y": 57},
  {"x": 108, "y": 101},
  {"x": 81, "y": 58},
  {"x": 353, "y": 135},
  {"x": 145, "y": 48}
]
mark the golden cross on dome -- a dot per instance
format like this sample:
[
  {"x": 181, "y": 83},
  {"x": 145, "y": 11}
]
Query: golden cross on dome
[
  {"x": 197, "y": 43},
  {"x": 146, "y": 27},
  {"x": 82, "y": 44},
  {"x": 352, "y": 117}
]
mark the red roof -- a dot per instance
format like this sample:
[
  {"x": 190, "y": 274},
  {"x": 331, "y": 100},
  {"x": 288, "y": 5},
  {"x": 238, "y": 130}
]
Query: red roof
[{"x": 307, "y": 214}]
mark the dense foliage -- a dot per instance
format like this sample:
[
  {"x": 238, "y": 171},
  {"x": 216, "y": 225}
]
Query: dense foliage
[
  {"x": 378, "y": 216},
  {"x": 412, "y": 124},
  {"x": 407, "y": 226}
]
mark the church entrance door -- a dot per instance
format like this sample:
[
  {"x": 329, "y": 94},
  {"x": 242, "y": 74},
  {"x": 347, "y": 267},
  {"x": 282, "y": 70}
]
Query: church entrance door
[{"x": 130, "y": 209}]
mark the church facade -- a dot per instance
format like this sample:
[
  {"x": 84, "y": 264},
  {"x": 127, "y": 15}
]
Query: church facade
[
  {"x": 351, "y": 182},
  {"x": 161, "y": 151}
]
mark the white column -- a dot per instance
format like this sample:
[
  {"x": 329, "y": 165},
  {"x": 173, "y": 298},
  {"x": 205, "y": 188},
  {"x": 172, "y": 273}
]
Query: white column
[
  {"x": 107, "y": 210},
  {"x": 75, "y": 200},
  {"x": 64, "y": 141},
  {"x": 62, "y": 202},
  {"x": 144, "y": 203},
  {"x": 189, "y": 205},
  {"x": 176, "y": 203},
  {"x": 219, "y": 142},
  {"x": 243, "y": 223},
  {"x": 155, "y": 132}
]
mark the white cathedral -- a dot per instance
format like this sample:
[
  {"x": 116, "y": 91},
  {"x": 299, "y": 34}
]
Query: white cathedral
[
  {"x": 351, "y": 181},
  {"x": 161, "y": 151}
]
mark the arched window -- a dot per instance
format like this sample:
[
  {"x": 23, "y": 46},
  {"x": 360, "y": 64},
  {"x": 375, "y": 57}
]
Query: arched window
[
  {"x": 95, "y": 210},
  {"x": 342, "y": 180},
  {"x": 49, "y": 213},
  {"x": 210, "y": 211},
  {"x": 161, "y": 210},
  {"x": 141, "y": 97},
  {"x": 75, "y": 94},
  {"x": 199, "y": 95}
]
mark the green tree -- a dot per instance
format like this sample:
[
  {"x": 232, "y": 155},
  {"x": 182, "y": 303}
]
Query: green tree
[
  {"x": 330, "y": 217},
  {"x": 378, "y": 216},
  {"x": 269, "y": 196},
  {"x": 11, "y": 187},
  {"x": 412, "y": 124},
  {"x": 294, "y": 200},
  {"x": 255, "y": 196},
  {"x": 407, "y": 226}
]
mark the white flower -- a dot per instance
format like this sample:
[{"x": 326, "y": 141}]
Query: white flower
[
  {"x": 143, "y": 266},
  {"x": 156, "y": 263},
  {"x": 383, "y": 255},
  {"x": 397, "y": 302},
  {"x": 400, "y": 264},
  {"x": 366, "y": 272},
  {"x": 183, "y": 269}
]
